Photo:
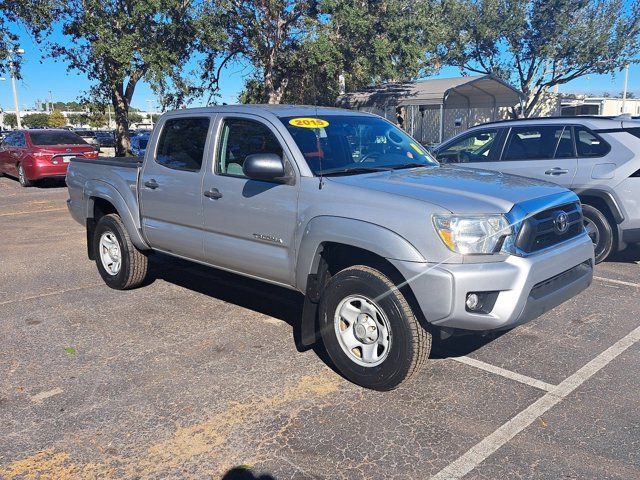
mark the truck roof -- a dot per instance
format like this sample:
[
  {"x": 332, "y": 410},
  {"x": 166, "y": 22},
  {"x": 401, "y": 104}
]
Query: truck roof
[{"x": 277, "y": 110}]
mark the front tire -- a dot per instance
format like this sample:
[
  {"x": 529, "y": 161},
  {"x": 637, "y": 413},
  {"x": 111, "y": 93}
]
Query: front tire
[
  {"x": 369, "y": 330},
  {"x": 22, "y": 177},
  {"x": 599, "y": 230},
  {"x": 121, "y": 265}
]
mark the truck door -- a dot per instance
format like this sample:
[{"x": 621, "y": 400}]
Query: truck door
[
  {"x": 171, "y": 185},
  {"x": 249, "y": 224}
]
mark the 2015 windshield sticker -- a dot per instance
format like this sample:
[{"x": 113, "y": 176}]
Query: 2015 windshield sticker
[
  {"x": 308, "y": 122},
  {"x": 417, "y": 149}
]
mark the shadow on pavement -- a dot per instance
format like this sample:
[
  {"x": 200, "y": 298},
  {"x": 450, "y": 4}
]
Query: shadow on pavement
[
  {"x": 279, "y": 302},
  {"x": 630, "y": 255},
  {"x": 243, "y": 473}
]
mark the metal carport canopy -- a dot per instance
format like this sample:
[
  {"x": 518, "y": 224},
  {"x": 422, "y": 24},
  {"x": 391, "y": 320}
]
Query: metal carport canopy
[{"x": 471, "y": 92}]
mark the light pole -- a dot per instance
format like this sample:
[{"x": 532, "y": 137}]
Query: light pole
[
  {"x": 150, "y": 102},
  {"x": 626, "y": 84},
  {"x": 12, "y": 73}
]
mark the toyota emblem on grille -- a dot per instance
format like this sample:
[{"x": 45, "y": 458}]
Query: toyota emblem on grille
[{"x": 561, "y": 223}]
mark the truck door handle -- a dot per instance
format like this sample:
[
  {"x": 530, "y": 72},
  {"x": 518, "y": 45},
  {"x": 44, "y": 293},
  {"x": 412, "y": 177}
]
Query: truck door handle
[
  {"x": 152, "y": 184},
  {"x": 556, "y": 171},
  {"x": 214, "y": 193}
]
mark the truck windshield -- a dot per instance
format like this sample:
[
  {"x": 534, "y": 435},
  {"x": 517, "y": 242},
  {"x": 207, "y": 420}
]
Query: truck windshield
[{"x": 344, "y": 144}]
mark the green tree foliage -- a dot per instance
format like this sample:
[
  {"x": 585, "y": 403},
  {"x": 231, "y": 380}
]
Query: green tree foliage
[
  {"x": 118, "y": 43},
  {"x": 10, "y": 120},
  {"x": 57, "y": 120},
  {"x": 264, "y": 33},
  {"x": 34, "y": 15},
  {"x": 135, "y": 117},
  {"x": 77, "y": 119},
  {"x": 537, "y": 44},
  {"x": 36, "y": 120},
  {"x": 362, "y": 42}
]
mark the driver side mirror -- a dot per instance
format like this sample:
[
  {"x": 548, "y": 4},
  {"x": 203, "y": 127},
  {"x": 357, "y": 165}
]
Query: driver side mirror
[{"x": 267, "y": 167}]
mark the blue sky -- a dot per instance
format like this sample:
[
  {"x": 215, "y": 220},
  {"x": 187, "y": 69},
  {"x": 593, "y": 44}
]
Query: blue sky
[{"x": 44, "y": 75}]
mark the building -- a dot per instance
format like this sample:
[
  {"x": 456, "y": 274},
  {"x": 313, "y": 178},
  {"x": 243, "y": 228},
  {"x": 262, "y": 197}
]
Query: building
[
  {"x": 610, "y": 106},
  {"x": 435, "y": 110}
]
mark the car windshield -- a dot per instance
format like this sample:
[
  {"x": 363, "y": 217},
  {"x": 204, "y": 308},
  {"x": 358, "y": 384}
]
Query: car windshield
[
  {"x": 56, "y": 138},
  {"x": 345, "y": 144}
]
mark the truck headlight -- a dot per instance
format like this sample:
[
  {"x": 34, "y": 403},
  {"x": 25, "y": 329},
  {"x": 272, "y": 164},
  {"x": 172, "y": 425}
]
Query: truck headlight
[{"x": 472, "y": 234}]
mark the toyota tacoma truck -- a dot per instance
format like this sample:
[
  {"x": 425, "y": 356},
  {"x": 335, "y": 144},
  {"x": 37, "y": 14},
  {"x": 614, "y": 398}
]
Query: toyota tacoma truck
[{"x": 388, "y": 246}]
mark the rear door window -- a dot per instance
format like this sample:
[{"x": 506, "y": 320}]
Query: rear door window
[
  {"x": 589, "y": 144},
  {"x": 538, "y": 142},
  {"x": 182, "y": 143}
]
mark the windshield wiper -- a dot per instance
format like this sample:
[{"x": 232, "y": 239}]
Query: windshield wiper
[
  {"x": 411, "y": 165},
  {"x": 353, "y": 170}
]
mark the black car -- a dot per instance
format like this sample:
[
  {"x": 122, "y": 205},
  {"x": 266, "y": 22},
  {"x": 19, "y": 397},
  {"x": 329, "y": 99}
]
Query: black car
[{"x": 106, "y": 139}]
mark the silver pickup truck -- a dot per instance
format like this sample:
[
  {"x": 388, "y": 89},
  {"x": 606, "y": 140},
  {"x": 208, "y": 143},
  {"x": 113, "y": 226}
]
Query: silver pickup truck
[{"x": 388, "y": 246}]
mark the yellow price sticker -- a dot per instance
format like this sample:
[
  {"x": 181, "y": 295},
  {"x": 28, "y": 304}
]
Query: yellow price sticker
[
  {"x": 308, "y": 122},
  {"x": 417, "y": 149}
]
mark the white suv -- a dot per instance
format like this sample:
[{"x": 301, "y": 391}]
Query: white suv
[{"x": 597, "y": 157}]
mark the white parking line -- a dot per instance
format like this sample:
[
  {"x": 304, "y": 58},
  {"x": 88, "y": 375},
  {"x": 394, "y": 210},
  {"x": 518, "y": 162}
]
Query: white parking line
[
  {"x": 490, "y": 444},
  {"x": 40, "y": 397},
  {"x": 617, "y": 282},
  {"x": 503, "y": 372}
]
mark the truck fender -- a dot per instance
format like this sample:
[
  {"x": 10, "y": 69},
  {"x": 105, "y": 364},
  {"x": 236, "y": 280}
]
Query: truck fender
[
  {"x": 98, "y": 189},
  {"x": 356, "y": 233},
  {"x": 310, "y": 267}
]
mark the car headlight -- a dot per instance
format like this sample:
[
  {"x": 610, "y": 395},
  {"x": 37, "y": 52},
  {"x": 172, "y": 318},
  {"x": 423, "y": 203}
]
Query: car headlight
[{"x": 472, "y": 234}]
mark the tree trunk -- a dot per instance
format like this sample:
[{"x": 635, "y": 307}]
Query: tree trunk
[{"x": 121, "y": 110}]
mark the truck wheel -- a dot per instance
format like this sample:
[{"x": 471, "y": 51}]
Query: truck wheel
[
  {"x": 600, "y": 231},
  {"x": 369, "y": 329},
  {"x": 22, "y": 177},
  {"x": 121, "y": 265}
]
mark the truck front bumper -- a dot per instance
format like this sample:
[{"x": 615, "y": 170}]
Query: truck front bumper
[{"x": 526, "y": 287}]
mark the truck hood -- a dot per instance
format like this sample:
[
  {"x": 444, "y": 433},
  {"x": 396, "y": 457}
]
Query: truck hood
[{"x": 457, "y": 189}]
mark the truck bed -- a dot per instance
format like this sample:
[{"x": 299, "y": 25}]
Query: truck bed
[{"x": 126, "y": 162}]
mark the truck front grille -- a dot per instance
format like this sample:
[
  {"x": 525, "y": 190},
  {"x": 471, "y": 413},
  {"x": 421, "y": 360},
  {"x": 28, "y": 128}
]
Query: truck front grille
[{"x": 544, "y": 229}]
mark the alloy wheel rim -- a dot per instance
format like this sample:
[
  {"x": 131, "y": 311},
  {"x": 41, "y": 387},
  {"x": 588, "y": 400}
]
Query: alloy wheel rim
[
  {"x": 110, "y": 253},
  {"x": 20, "y": 173},
  {"x": 592, "y": 231},
  {"x": 362, "y": 330}
]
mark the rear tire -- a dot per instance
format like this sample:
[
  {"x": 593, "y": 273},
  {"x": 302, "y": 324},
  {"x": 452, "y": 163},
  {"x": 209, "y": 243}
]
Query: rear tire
[
  {"x": 22, "y": 177},
  {"x": 369, "y": 330},
  {"x": 600, "y": 231},
  {"x": 121, "y": 265}
]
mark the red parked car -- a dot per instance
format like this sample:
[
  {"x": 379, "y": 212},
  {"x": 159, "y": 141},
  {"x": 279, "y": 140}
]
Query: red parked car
[{"x": 31, "y": 155}]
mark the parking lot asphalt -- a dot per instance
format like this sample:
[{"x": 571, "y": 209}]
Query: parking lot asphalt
[{"x": 196, "y": 375}]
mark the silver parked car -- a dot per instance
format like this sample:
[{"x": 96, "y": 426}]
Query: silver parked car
[{"x": 596, "y": 157}]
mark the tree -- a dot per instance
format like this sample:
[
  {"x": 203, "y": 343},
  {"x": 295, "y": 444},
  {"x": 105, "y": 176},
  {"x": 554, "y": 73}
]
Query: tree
[
  {"x": 360, "y": 43},
  {"x": 77, "y": 119},
  {"x": 36, "y": 120},
  {"x": 57, "y": 120},
  {"x": 118, "y": 43},
  {"x": 537, "y": 44},
  {"x": 261, "y": 32},
  {"x": 135, "y": 117},
  {"x": 10, "y": 120},
  {"x": 629, "y": 94},
  {"x": 34, "y": 15}
]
